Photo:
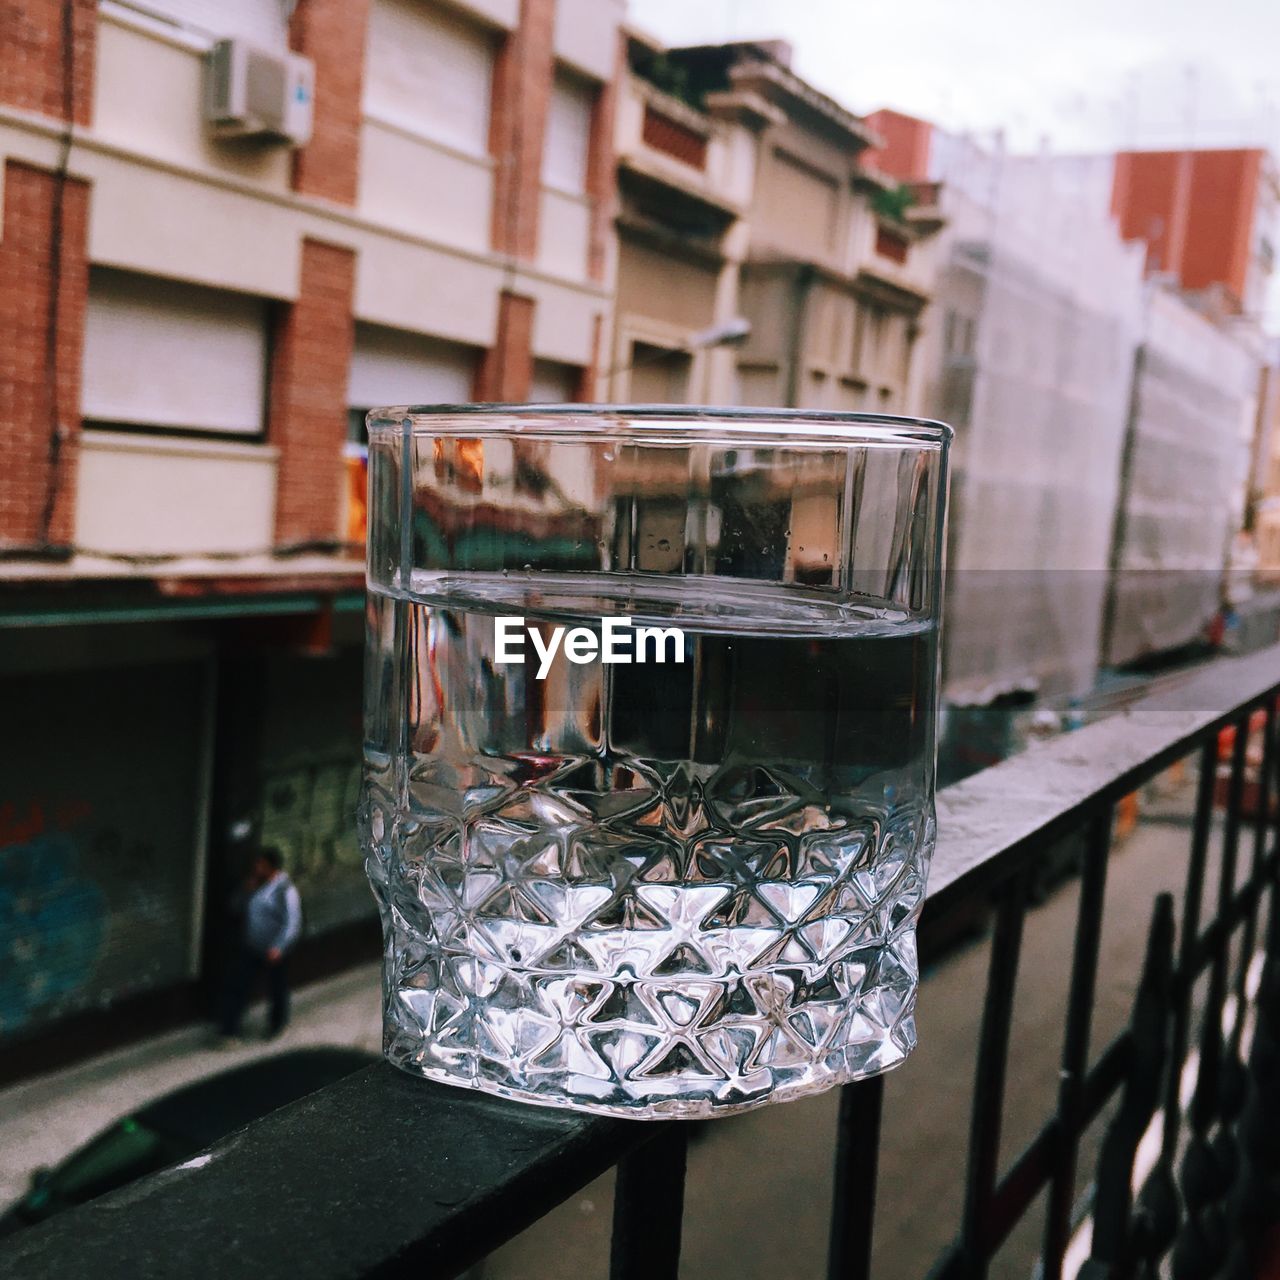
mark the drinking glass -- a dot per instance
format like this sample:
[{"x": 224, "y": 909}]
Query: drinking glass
[{"x": 649, "y": 747}]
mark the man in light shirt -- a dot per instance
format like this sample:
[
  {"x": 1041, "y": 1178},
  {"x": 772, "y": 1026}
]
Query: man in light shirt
[{"x": 271, "y": 924}]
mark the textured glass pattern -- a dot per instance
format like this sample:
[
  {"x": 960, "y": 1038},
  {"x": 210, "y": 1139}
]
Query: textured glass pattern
[{"x": 653, "y": 889}]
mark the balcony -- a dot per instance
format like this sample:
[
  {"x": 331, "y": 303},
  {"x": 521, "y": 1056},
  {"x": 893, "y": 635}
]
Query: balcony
[
  {"x": 155, "y": 495},
  {"x": 665, "y": 141},
  {"x": 1169, "y": 1125}
]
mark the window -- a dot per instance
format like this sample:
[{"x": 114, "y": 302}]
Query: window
[
  {"x": 567, "y": 145},
  {"x": 872, "y": 334},
  {"x": 390, "y": 366},
  {"x": 554, "y": 383},
  {"x": 758, "y": 385},
  {"x": 430, "y": 72},
  {"x": 164, "y": 354},
  {"x": 659, "y": 375},
  {"x": 851, "y": 395},
  {"x": 957, "y": 335},
  {"x": 798, "y": 205}
]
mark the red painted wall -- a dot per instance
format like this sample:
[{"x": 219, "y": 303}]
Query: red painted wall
[
  {"x": 1194, "y": 209},
  {"x": 905, "y": 155}
]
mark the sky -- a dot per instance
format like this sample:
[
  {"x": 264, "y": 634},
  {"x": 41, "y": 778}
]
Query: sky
[{"x": 1079, "y": 75}]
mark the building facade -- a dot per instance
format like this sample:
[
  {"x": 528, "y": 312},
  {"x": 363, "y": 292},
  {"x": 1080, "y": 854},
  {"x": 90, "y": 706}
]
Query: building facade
[
  {"x": 1264, "y": 482},
  {"x": 837, "y": 261},
  {"x": 684, "y": 179},
  {"x": 1192, "y": 416},
  {"x": 1101, "y": 372},
  {"x": 1207, "y": 217},
  {"x": 1030, "y": 358},
  {"x": 193, "y": 326}
]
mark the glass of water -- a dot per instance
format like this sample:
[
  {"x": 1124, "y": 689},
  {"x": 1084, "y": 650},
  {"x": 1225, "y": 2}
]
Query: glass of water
[{"x": 649, "y": 747}]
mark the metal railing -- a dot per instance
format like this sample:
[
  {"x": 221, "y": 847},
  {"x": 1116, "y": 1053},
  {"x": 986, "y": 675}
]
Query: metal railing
[{"x": 384, "y": 1175}]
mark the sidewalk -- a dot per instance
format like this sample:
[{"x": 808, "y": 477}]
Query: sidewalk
[{"x": 44, "y": 1119}]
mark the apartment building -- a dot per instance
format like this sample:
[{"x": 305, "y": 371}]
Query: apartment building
[
  {"x": 192, "y": 326},
  {"x": 685, "y": 178},
  {"x": 1038, "y": 312},
  {"x": 837, "y": 261}
]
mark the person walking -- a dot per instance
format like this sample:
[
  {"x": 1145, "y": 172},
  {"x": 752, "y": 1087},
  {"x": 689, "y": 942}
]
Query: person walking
[{"x": 272, "y": 921}]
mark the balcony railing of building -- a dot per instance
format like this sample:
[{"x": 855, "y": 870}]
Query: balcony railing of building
[{"x": 384, "y": 1175}]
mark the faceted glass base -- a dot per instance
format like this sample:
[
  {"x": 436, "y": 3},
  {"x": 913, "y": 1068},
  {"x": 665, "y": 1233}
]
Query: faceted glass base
[
  {"x": 646, "y": 1050},
  {"x": 673, "y": 1004}
]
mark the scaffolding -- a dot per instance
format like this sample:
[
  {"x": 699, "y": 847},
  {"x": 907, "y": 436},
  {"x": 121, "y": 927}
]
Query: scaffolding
[
  {"x": 1036, "y": 321},
  {"x": 1186, "y": 463}
]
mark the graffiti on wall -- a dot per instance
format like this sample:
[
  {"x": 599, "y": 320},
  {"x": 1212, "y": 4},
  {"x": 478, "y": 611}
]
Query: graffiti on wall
[
  {"x": 52, "y": 914},
  {"x": 308, "y": 812}
]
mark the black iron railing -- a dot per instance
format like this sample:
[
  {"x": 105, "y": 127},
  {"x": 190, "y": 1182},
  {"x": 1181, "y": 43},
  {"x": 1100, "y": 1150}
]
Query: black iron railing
[{"x": 384, "y": 1175}]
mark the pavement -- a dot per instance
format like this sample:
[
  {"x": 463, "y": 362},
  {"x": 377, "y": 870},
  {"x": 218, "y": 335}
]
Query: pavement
[
  {"x": 758, "y": 1196},
  {"x": 44, "y": 1119}
]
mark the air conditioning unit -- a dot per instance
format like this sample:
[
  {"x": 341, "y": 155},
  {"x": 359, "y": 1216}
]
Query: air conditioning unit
[{"x": 250, "y": 93}]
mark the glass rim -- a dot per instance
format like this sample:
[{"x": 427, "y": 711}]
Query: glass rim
[{"x": 686, "y": 423}]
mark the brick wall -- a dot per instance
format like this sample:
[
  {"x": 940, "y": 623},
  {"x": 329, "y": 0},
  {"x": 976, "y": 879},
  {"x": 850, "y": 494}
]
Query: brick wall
[
  {"x": 332, "y": 34},
  {"x": 37, "y": 491},
  {"x": 586, "y": 389},
  {"x": 307, "y": 416},
  {"x": 907, "y": 143},
  {"x": 602, "y": 177},
  {"x": 522, "y": 79},
  {"x": 506, "y": 372},
  {"x": 32, "y": 63}
]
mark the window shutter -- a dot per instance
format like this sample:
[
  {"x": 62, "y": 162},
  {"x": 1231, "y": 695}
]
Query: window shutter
[
  {"x": 568, "y": 136},
  {"x": 430, "y": 71},
  {"x": 160, "y": 353},
  {"x": 391, "y": 367}
]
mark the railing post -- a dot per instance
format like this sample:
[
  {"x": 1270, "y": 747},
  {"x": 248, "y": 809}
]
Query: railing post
[
  {"x": 854, "y": 1198},
  {"x": 1075, "y": 1048},
  {"x": 1187, "y": 939},
  {"x": 1257, "y": 1205},
  {"x": 1116, "y": 1246},
  {"x": 648, "y": 1207},
  {"x": 1208, "y": 1168},
  {"x": 993, "y": 1061}
]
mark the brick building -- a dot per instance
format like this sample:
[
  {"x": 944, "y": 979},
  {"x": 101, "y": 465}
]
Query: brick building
[
  {"x": 1207, "y": 217},
  {"x": 191, "y": 327}
]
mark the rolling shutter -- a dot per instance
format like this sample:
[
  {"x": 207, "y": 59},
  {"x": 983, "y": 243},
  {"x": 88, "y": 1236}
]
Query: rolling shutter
[
  {"x": 431, "y": 72},
  {"x": 390, "y": 367},
  {"x": 99, "y": 778},
  {"x": 553, "y": 382},
  {"x": 159, "y": 353},
  {"x": 568, "y": 136}
]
